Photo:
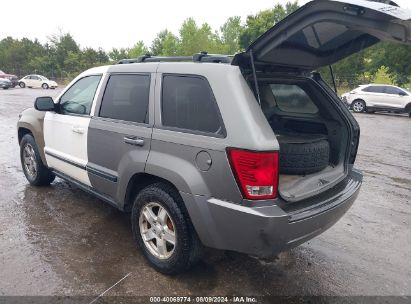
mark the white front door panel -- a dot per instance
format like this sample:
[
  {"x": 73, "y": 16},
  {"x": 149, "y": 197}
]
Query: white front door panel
[{"x": 65, "y": 139}]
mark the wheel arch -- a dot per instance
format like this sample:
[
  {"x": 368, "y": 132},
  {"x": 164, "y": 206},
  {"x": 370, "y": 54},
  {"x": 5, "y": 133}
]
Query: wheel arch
[
  {"x": 138, "y": 182},
  {"x": 359, "y": 99},
  {"x": 31, "y": 122},
  {"x": 21, "y": 132}
]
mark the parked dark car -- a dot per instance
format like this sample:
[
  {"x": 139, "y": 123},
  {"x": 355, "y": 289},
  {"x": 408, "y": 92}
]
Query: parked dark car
[
  {"x": 13, "y": 78},
  {"x": 5, "y": 83}
]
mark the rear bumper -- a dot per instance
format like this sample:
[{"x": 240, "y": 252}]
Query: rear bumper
[{"x": 267, "y": 230}]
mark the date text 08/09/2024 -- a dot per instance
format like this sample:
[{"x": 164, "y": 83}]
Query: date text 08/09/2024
[{"x": 207, "y": 299}]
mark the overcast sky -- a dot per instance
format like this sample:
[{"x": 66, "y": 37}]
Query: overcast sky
[{"x": 121, "y": 23}]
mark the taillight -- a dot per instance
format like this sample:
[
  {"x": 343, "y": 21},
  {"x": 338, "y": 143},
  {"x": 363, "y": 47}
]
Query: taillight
[{"x": 256, "y": 172}]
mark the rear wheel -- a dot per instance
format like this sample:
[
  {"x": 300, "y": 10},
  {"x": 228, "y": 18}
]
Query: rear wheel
[
  {"x": 358, "y": 106},
  {"x": 35, "y": 171},
  {"x": 45, "y": 86},
  {"x": 163, "y": 230},
  {"x": 408, "y": 109},
  {"x": 22, "y": 85}
]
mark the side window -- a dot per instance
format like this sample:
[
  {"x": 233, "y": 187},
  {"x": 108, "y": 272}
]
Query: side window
[
  {"x": 126, "y": 98},
  {"x": 78, "y": 99},
  {"x": 374, "y": 89},
  {"x": 292, "y": 98},
  {"x": 187, "y": 102},
  {"x": 392, "y": 90}
]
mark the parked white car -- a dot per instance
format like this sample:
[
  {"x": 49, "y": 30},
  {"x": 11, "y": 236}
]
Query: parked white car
[
  {"x": 37, "y": 81},
  {"x": 379, "y": 97}
]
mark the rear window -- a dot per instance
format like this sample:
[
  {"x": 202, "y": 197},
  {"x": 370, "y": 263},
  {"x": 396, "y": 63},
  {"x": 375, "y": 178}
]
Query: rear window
[
  {"x": 188, "y": 103},
  {"x": 290, "y": 98},
  {"x": 324, "y": 36},
  {"x": 393, "y": 90},
  {"x": 126, "y": 98}
]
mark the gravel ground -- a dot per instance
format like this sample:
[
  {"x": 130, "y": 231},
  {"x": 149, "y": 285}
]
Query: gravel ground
[{"x": 59, "y": 240}]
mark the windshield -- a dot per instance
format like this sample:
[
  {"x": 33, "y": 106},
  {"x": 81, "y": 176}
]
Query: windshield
[{"x": 43, "y": 78}]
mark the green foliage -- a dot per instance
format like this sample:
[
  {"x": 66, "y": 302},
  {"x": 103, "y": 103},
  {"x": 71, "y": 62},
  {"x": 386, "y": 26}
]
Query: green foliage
[
  {"x": 230, "y": 35},
  {"x": 157, "y": 47},
  {"x": 194, "y": 39},
  {"x": 62, "y": 57},
  {"x": 262, "y": 21},
  {"x": 382, "y": 76},
  {"x": 137, "y": 50},
  {"x": 118, "y": 54},
  {"x": 396, "y": 57},
  {"x": 170, "y": 45}
]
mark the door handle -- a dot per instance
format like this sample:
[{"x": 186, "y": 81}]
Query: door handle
[
  {"x": 135, "y": 141},
  {"x": 77, "y": 130}
]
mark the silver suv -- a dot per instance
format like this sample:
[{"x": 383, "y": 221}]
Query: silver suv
[{"x": 252, "y": 153}]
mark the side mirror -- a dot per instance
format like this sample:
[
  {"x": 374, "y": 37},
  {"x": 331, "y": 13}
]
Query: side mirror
[
  {"x": 44, "y": 104},
  {"x": 402, "y": 93}
]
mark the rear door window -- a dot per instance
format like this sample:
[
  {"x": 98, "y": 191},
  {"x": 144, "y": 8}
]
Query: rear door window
[
  {"x": 188, "y": 103},
  {"x": 292, "y": 98},
  {"x": 126, "y": 98},
  {"x": 374, "y": 89}
]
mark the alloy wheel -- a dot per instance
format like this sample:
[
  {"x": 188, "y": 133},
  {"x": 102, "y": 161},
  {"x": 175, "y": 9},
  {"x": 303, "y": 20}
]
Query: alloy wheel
[
  {"x": 358, "y": 106},
  {"x": 157, "y": 230},
  {"x": 29, "y": 161}
]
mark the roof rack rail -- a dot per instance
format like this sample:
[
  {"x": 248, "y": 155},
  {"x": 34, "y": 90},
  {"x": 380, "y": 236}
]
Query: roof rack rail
[{"x": 199, "y": 57}]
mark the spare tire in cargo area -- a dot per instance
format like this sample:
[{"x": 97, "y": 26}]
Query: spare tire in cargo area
[{"x": 303, "y": 153}]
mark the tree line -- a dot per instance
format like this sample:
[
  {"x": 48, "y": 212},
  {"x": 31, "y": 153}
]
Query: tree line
[{"x": 62, "y": 57}]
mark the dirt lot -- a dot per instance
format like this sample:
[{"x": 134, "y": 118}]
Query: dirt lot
[{"x": 59, "y": 240}]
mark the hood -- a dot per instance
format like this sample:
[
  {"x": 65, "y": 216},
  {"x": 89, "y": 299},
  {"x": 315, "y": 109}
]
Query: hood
[{"x": 323, "y": 32}]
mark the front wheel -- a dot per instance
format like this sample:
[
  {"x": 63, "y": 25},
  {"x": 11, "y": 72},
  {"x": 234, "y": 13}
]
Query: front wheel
[
  {"x": 22, "y": 85},
  {"x": 163, "y": 231},
  {"x": 45, "y": 86},
  {"x": 358, "y": 106},
  {"x": 35, "y": 171}
]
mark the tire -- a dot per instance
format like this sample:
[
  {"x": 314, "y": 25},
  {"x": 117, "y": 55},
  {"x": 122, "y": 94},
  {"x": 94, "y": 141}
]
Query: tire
[
  {"x": 35, "y": 171},
  {"x": 187, "y": 249},
  {"x": 358, "y": 106},
  {"x": 22, "y": 85},
  {"x": 5, "y": 88},
  {"x": 45, "y": 86},
  {"x": 302, "y": 154},
  {"x": 408, "y": 109}
]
